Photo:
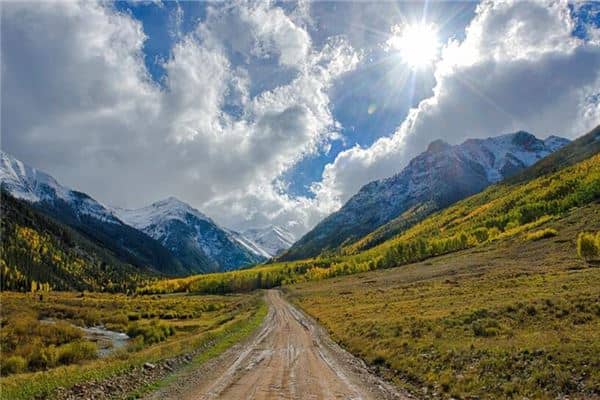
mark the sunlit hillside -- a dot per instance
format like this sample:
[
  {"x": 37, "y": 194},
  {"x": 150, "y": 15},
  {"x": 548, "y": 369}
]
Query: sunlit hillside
[{"x": 500, "y": 212}]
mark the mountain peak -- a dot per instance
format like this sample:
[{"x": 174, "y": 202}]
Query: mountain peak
[
  {"x": 192, "y": 236},
  {"x": 525, "y": 139},
  {"x": 274, "y": 239},
  {"x": 173, "y": 204},
  {"x": 437, "y": 146},
  {"x": 159, "y": 212}
]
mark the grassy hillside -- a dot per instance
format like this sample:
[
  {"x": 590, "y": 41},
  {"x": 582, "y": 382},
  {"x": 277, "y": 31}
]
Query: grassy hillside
[
  {"x": 498, "y": 213},
  {"x": 39, "y": 253},
  {"x": 515, "y": 318}
]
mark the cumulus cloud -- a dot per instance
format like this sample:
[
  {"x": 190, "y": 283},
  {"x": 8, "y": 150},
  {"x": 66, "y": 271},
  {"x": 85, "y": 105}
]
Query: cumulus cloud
[
  {"x": 78, "y": 100},
  {"x": 519, "y": 67},
  {"x": 245, "y": 97}
]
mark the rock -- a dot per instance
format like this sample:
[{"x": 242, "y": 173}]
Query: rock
[{"x": 149, "y": 365}]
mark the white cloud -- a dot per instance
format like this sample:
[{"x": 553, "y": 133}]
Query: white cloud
[
  {"x": 78, "y": 101},
  {"x": 518, "y": 67}
]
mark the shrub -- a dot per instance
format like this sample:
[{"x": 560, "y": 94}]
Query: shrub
[
  {"x": 59, "y": 333},
  {"x": 13, "y": 365},
  {"x": 486, "y": 327},
  {"x": 135, "y": 344},
  {"x": 153, "y": 333},
  {"x": 542, "y": 234},
  {"x": 77, "y": 351},
  {"x": 42, "y": 358},
  {"x": 133, "y": 316},
  {"x": 588, "y": 245},
  {"x": 481, "y": 234}
]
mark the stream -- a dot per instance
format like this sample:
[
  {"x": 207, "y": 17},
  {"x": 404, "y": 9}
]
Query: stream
[{"x": 108, "y": 341}]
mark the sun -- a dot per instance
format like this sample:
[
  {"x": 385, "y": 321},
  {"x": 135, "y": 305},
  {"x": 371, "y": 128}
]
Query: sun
[{"x": 417, "y": 44}]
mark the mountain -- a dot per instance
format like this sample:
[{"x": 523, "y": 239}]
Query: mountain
[
  {"x": 436, "y": 178},
  {"x": 272, "y": 239},
  {"x": 192, "y": 237},
  {"x": 84, "y": 214},
  {"x": 580, "y": 149},
  {"x": 37, "y": 250}
]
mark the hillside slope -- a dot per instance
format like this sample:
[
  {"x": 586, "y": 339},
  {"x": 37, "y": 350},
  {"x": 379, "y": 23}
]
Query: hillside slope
[
  {"x": 436, "y": 178},
  {"x": 36, "y": 248},
  {"x": 515, "y": 318}
]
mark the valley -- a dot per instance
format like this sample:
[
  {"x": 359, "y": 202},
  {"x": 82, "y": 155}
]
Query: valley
[
  {"x": 300, "y": 200},
  {"x": 493, "y": 296}
]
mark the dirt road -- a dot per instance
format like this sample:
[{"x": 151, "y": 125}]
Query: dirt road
[{"x": 290, "y": 357}]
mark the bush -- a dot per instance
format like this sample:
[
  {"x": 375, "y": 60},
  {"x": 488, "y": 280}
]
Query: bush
[
  {"x": 486, "y": 327},
  {"x": 153, "y": 333},
  {"x": 13, "y": 365},
  {"x": 542, "y": 234},
  {"x": 58, "y": 333},
  {"x": 588, "y": 245},
  {"x": 133, "y": 316},
  {"x": 77, "y": 351},
  {"x": 42, "y": 358}
]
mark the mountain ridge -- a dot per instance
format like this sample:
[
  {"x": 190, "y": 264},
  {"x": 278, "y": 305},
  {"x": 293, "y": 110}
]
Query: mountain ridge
[
  {"x": 193, "y": 237},
  {"x": 440, "y": 176}
]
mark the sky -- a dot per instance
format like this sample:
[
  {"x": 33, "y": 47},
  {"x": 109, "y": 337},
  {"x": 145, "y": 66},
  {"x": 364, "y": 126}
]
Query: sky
[{"x": 261, "y": 113}]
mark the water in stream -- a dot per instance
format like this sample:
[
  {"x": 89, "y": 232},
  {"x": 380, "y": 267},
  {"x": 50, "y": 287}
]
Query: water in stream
[{"x": 108, "y": 341}]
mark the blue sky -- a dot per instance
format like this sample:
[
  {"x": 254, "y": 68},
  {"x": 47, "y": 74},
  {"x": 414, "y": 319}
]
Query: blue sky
[{"x": 277, "y": 112}]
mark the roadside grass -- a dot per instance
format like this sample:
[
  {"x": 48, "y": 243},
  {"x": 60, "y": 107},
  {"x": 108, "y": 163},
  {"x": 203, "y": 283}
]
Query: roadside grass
[
  {"x": 514, "y": 319},
  {"x": 222, "y": 342},
  {"x": 208, "y": 318}
]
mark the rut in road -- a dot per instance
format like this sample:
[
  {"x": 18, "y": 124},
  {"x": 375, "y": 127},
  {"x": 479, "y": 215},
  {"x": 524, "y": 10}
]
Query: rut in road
[{"x": 290, "y": 357}]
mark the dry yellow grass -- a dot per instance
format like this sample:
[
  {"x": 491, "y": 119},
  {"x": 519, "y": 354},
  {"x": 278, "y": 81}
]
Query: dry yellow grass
[{"x": 513, "y": 319}]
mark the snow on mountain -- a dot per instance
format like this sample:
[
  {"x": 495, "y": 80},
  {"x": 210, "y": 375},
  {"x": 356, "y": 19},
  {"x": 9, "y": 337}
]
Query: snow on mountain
[
  {"x": 272, "y": 239},
  {"x": 34, "y": 186},
  {"x": 440, "y": 176},
  {"x": 155, "y": 215},
  {"x": 192, "y": 236},
  {"x": 250, "y": 244}
]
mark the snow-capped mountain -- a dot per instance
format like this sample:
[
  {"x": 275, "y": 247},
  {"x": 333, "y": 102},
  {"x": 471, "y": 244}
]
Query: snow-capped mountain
[
  {"x": 83, "y": 213},
  {"x": 273, "y": 239},
  {"x": 193, "y": 237},
  {"x": 34, "y": 186},
  {"x": 438, "y": 177}
]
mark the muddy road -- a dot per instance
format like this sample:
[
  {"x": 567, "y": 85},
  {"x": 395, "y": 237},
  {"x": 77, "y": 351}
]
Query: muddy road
[{"x": 290, "y": 357}]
